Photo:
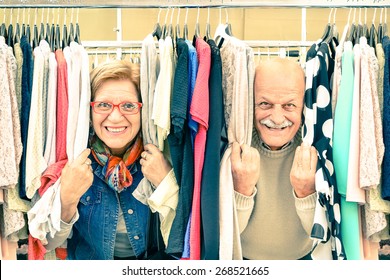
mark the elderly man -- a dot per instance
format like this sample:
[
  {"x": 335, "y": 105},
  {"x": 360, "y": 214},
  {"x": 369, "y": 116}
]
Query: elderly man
[{"x": 274, "y": 179}]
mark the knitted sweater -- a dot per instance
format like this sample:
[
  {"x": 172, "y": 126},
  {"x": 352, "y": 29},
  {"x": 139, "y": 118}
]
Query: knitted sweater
[{"x": 274, "y": 223}]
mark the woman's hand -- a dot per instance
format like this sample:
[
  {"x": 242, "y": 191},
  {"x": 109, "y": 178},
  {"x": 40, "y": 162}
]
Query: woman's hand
[
  {"x": 154, "y": 165},
  {"x": 302, "y": 175},
  {"x": 76, "y": 178},
  {"x": 245, "y": 168}
]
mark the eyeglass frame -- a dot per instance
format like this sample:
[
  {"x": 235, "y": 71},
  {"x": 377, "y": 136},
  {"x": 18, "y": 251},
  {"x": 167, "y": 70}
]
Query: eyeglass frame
[{"x": 139, "y": 106}]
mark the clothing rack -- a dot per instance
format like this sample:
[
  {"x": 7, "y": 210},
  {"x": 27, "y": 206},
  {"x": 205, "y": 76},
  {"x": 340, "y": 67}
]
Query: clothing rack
[{"x": 194, "y": 3}]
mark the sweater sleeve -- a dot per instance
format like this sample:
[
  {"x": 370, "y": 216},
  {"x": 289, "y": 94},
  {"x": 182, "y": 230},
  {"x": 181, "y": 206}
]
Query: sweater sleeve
[
  {"x": 244, "y": 205},
  {"x": 164, "y": 200},
  {"x": 305, "y": 209},
  {"x": 60, "y": 237}
]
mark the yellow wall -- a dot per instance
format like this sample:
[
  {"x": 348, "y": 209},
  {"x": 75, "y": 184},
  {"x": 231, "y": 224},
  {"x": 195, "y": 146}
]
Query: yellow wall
[{"x": 248, "y": 24}]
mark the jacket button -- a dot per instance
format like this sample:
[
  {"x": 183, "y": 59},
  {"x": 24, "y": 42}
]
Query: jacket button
[
  {"x": 88, "y": 198},
  {"x": 136, "y": 237},
  {"x": 130, "y": 211}
]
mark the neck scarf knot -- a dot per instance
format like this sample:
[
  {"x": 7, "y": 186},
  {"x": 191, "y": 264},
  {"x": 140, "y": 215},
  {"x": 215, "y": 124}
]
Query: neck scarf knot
[{"x": 115, "y": 169}]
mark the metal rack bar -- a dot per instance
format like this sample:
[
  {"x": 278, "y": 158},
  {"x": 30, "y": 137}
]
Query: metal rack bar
[
  {"x": 251, "y": 43},
  {"x": 193, "y": 3}
]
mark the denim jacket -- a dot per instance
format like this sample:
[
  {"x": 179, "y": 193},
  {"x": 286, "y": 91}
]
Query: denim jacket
[{"x": 95, "y": 231}]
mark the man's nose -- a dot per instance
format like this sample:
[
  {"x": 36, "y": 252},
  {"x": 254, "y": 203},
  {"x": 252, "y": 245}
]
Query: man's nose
[{"x": 277, "y": 115}]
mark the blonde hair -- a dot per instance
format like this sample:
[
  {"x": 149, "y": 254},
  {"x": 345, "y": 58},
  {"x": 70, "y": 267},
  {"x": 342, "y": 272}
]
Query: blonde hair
[{"x": 115, "y": 70}]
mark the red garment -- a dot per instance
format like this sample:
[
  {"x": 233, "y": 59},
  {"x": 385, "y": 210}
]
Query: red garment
[
  {"x": 36, "y": 251},
  {"x": 62, "y": 106},
  {"x": 199, "y": 111}
]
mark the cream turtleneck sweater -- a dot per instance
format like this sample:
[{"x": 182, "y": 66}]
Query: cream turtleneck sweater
[{"x": 274, "y": 223}]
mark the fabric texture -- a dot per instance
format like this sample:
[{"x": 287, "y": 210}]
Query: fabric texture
[{"x": 317, "y": 131}]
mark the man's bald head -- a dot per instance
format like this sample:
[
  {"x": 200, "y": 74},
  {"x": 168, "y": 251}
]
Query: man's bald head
[{"x": 279, "y": 92}]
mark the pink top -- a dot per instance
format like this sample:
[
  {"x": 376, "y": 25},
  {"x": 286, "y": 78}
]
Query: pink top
[{"x": 199, "y": 111}]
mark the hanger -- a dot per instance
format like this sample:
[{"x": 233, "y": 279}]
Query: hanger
[
  {"x": 327, "y": 27},
  {"x": 352, "y": 30},
  {"x": 385, "y": 24},
  {"x": 10, "y": 39},
  {"x": 64, "y": 32},
  {"x": 52, "y": 33},
  {"x": 185, "y": 28},
  {"x": 372, "y": 33},
  {"x": 77, "y": 35},
  {"x": 23, "y": 32},
  {"x": 35, "y": 42},
  {"x": 71, "y": 28},
  {"x": 157, "y": 31},
  {"x": 57, "y": 34},
  {"x": 17, "y": 29},
  {"x": 359, "y": 27},
  {"x": 164, "y": 27},
  {"x": 207, "y": 33},
  {"x": 169, "y": 30},
  {"x": 197, "y": 29},
  {"x": 332, "y": 37},
  {"x": 177, "y": 27},
  {"x": 42, "y": 28},
  {"x": 228, "y": 28},
  {"x": 3, "y": 28},
  {"x": 220, "y": 32},
  {"x": 365, "y": 27}
]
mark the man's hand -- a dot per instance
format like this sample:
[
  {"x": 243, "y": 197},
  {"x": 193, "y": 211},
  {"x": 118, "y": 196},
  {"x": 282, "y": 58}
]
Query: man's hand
[
  {"x": 302, "y": 175},
  {"x": 245, "y": 168}
]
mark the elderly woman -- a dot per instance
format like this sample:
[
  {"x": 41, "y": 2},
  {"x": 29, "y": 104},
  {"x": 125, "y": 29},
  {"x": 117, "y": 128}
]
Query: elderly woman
[{"x": 99, "y": 214}]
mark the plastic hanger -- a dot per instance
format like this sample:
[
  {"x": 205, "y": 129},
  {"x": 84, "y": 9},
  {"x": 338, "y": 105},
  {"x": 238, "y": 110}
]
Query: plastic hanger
[
  {"x": 380, "y": 28},
  {"x": 169, "y": 30},
  {"x": 228, "y": 28},
  {"x": 365, "y": 27},
  {"x": 207, "y": 33},
  {"x": 77, "y": 34},
  {"x": 352, "y": 30},
  {"x": 17, "y": 29},
  {"x": 373, "y": 35},
  {"x": 385, "y": 30},
  {"x": 177, "y": 27},
  {"x": 57, "y": 34},
  {"x": 220, "y": 31},
  {"x": 197, "y": 28},
  {"x": 164, "y": 27},
  {"x": 157, "y": 31},
  {"x": 71, "y": 28},
  {"x": 10, "y": 39},
  {"x": 3, "y": 28},
  {"x": 35, "y": 41},
  {"x": 328, "y": 27},
  {"x": 185, "y": 27},
  {"x": 359, "y": 28},
  {"x": 65, "y": 32}
]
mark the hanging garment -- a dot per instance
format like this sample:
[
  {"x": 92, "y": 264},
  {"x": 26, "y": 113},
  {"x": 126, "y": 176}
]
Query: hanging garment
[
  {"x": 163, "y": 91},
  {"x": 317, "y": 131},
  {"x": 213, "y": 154},
  {"x": 186, "y": 200},
  {"x": 237, "y": 84},
  {"x": 27, "y": 81},
  {"x": 12, "y": 221},
  {"x": 149, "y": 71},
  {"x": 181, "y": 148},
  {"x": 200, "y": 113},
  {"x": 50, "y": 146},
  {"x": 35, "y": 144},
  {"x": 386, "y": 121}
]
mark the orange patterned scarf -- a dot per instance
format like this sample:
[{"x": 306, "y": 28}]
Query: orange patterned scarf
[{"x": 115, "y": 169}]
